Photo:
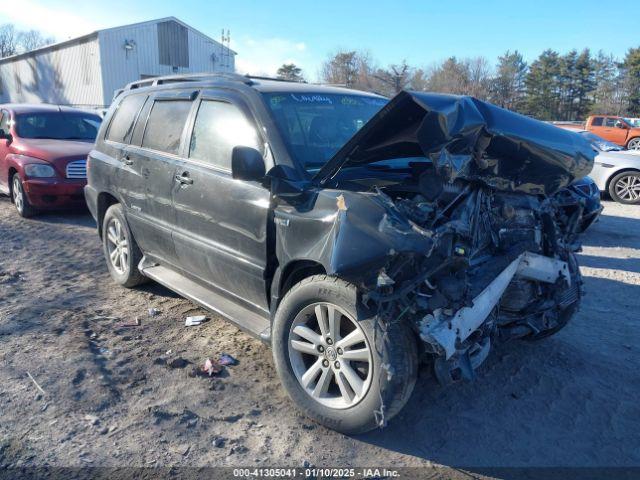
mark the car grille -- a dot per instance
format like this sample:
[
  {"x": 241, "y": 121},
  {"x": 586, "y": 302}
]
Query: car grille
[{"x": 77, "y": 169}]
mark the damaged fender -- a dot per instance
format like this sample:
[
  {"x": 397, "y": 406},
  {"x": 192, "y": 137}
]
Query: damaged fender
[{"x": 344, "y": 232}]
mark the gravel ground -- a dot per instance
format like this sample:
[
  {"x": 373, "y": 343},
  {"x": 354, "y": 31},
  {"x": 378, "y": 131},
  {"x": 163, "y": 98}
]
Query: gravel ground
[{"x": 126, "y": 396}]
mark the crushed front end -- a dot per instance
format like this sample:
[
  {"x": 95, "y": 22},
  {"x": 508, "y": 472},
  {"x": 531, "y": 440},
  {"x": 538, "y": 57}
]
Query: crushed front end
[
  {"x": 500, "y": 266},
  {"x": 482, "y": 229}
]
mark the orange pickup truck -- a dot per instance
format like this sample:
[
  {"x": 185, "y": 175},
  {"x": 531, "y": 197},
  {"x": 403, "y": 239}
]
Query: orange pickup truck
[{"x": 615, "y": 129}]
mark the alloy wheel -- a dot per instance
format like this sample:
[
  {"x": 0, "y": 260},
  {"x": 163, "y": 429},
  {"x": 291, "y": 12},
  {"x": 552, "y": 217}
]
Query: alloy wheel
[
  {"x": 117, "y": 246},
  {"x": 628, "y": 187},
  {"x": 330, "y": 355},
  {"x": 634, "y": 144},
  {"x": 18, "y": 195}
]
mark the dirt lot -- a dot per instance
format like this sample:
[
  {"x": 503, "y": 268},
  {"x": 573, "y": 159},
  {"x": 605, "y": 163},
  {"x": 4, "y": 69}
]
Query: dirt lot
[{"x": 114, "y": 396}]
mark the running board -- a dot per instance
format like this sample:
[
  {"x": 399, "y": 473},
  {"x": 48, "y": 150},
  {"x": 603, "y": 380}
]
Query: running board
[{"x": 247, "y": 320}]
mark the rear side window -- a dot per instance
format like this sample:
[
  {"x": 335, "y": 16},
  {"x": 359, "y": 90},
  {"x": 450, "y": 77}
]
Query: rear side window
[
  {"x": 597, "y": 122},
  {"x": 219, "y": 127},
  {"x": 165, "y": 125},
  {"x": 124, "y": 118}
]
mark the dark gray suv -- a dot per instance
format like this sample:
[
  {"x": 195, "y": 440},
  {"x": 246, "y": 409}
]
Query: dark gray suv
[{"x": 355, "y": 235}]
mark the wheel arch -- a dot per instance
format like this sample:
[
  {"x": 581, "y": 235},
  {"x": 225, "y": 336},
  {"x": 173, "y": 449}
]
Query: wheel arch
[
  {"x": 616, "y": 173},
  {"x": 12, "y": 171},
  {"x": 296, "y": 271},
  {"x": 104, "y": 201},
  {"x": 637, "y": 137}
]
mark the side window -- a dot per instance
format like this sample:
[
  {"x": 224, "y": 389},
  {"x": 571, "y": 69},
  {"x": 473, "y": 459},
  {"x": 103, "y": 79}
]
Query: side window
[
  {"x": 124, "y": 118},
  {"x": 596, "y": 122},
  {"x": 4, "y": 122},
  {"x": 610, "y": 122},
  {"x": 165, "y": 125},
  {"x": 219, "y": 127}
]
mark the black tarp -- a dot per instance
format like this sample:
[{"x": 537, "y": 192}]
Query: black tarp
[{"x": 467, "y": 138}]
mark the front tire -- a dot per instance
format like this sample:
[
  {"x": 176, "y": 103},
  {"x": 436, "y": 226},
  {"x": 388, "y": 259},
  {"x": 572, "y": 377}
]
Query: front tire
[
  {"x": 340, "y": 364},
  {"x": 120, "y": 248},
  {"x": 19, "y": 198},
  {"x": 625, "y": 188}
]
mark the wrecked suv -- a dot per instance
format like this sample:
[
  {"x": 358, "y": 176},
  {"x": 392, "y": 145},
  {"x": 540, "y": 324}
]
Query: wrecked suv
[{"x": 357, "y": 236}]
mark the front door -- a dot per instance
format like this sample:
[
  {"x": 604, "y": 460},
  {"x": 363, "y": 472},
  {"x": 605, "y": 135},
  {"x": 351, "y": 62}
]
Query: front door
[
  {"x": 221, "y": 223},
  {"x": 4, "y": 151},
  {"x": 613, "y": 133}
]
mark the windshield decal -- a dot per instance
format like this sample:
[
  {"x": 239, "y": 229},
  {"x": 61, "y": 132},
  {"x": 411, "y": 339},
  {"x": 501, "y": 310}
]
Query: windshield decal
[{"x": 311, "y": 98}]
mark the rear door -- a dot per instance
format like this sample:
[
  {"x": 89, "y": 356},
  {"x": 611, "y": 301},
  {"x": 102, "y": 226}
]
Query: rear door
[
  {"x": 221, "y": 234},
  {"x": 152, "y": 160},
  {"x": 127, "y": 180},
  {"x": 597, "y": 127}
]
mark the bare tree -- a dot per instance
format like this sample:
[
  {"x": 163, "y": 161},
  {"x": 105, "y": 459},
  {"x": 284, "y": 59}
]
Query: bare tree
[
  {"x": 451, "y": 76},
  {"x": 8, "y": 40},
  {"x": 419, "y": 80},
  {"x": 342, "y": 68},
  {"x": 352, "y": 69},
  {"x": 479, "y": 77},
  {"x": 394, "y": 78},
  {"x": 32, "y": 39}
]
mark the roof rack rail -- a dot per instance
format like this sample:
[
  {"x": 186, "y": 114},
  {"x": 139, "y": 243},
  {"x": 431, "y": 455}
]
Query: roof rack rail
[{"x": 194, "y": 77}]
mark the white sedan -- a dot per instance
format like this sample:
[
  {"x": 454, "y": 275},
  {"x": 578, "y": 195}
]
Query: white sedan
[{"x": 615, "y": 170}]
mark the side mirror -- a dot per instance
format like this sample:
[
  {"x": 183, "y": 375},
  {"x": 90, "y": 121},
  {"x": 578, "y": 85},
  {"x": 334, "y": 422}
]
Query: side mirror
[
  {"x": 620, "y": 124},
  {"x": 247, "y": 164}
]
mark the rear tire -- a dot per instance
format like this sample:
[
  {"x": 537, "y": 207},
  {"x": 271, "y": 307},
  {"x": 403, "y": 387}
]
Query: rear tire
[
  {"x": 120, "y": 248},
  {"x": 382, "y": 355},
  {"x": 19, "y": 198},
  {"x": 634, "y": 144},
  {"x": 625, "y": 188}
]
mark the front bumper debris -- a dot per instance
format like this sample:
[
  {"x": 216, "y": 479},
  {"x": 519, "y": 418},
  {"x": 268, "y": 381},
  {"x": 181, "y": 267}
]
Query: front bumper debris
[{"x": 444, "y": 333}]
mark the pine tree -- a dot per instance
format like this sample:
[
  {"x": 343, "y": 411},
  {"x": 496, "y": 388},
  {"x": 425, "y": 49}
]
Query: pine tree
[
  {"x": 508, "y": 87},
  {"x": 543, "y": 86},
  {"x": 631, "y": 74},
  {"x": 608, "y": 96},
  {"x": 584, "y": 84},
  {"x": 291, "y": 72}
]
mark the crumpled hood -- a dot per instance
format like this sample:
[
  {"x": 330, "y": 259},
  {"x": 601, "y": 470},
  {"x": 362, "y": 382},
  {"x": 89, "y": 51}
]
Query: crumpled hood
[
  {"x": 52, "y": 150},
  {"x": 470, "y": 139}
]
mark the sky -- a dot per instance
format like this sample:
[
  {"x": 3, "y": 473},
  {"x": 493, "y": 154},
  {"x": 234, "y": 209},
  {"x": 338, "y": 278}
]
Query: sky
[{"x": 267, "y": 34}]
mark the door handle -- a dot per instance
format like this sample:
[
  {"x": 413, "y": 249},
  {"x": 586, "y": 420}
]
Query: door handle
[
  {"x": 184, "y": 179},
  {"x": 127, "y": 160}
]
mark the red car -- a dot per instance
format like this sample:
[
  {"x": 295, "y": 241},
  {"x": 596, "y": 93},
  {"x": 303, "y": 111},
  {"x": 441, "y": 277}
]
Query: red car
[{"x": 43, "y": 155}]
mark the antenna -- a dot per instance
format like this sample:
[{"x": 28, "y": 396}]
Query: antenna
[{"x": 225, "y": 50}]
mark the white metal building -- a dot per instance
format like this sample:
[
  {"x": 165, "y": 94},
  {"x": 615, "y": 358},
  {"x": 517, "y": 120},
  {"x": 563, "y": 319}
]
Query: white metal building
[{"x": 86, "y": 71}]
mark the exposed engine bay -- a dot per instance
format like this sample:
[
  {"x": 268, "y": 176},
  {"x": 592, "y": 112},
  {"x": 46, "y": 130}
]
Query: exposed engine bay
[
  {"x": 501, "y": 266},
  {"x": 453, "y": 215}
]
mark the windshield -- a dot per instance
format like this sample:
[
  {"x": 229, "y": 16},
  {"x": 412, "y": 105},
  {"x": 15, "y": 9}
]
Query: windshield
[
  {"x": 600, "y": 143},
  {"x": 58, "y": 125},
  {"x": 315, "y": 125},
  {"x": 634, "y": 122}
]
